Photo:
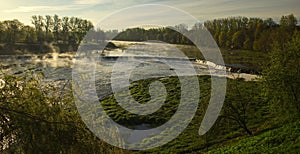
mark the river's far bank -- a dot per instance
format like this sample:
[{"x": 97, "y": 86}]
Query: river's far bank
[{"x": 35, "y": 48}]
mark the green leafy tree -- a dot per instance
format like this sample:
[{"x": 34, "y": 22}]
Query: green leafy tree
[
  {"x": 270, "y": 23},
  {"x": 29, "y": 34},
  {"x": 238, "y": 39},
  {"x": 13, "y": 29},
  {"x": 56, "y": 27},
  {"x": 65, "y": 29},
  {"x": 48, "y": 26},
  {"x": 41, "y": 118},
  {"x": 2, "y": 32},
  {"x": 240, "y": 102},
  {"x": 288, "y": 22},
  {"x": 281, "y": 77},
  {"x": 247, "y": 44},
  {"x": 222, "y": 39},
  {"x": 38, "y": 22}
]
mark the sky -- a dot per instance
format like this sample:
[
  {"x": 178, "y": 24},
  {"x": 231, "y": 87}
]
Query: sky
[{"x": 97, "y": 10}]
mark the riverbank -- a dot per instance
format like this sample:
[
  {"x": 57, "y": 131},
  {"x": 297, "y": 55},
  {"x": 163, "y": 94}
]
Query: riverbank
[
  {"x": 270, "y": 132},
  {"x": 34, "y": 48},
  {"x": 243, "y": 61},
  {"x": 47, "y": 47},
  {"x": 243, "y": 98}
]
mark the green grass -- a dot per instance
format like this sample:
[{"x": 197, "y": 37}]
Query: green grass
[
  {"x": 285, "y": 139},
  {"x": 247, "y": 58},
  {"x": 139, "y": 91},
  {"x": 271, "y": 133},
  {"x": 226, "y": 135}
]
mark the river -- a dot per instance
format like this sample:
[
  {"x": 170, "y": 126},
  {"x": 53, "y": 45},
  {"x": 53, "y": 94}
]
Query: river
[{"x": 58, "y": 66}]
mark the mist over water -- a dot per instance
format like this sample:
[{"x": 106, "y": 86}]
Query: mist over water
[{"x": 150, "y": 56}]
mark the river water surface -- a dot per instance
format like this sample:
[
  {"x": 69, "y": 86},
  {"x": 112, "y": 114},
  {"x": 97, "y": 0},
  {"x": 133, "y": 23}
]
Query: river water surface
[{"x": 151, "y": 56}]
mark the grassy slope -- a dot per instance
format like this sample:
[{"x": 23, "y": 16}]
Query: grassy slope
[
  {"x": 285, "y": 139},
  {"x": 226, "y": 135},
  {"x": 246, "y": 58}
]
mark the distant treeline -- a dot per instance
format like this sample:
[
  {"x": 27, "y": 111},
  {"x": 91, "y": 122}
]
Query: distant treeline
[
  {"x": 66, "y": 33},
  {"x": 171, "y": 35},
  {"x": 252, "y": 33},
  {"x": 231, "y": 33}
]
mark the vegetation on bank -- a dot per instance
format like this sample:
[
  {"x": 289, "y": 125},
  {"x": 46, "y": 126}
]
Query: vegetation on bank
[
  {"x": 285, "y": 138},
  {"x": 240, "y": 33},
  {"x": 247, "y": 60},
  {"x": 241, "y": 114},
  {"x": 42, "y": 118},
  {"x": 66, "y": 33}
]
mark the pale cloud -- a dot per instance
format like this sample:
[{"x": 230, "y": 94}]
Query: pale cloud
[
  {"x": 145, "y": 15},
  {"x": 89, "y": 2},
  {"x": 95, "y": 10},
  {"x": 208, "y": 9},
  {"x": 41, "y": 8},
  {"x": 74, "y": 5}
]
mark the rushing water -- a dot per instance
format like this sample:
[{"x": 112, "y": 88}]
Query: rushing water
[{"x": 58, "y": 66}]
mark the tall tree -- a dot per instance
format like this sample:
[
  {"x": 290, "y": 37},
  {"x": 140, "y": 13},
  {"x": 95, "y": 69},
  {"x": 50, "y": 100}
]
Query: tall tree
[
  {"x": 38, "y": 22},
  {"x": 288, "y": 22},
  {"x": 42, "y": 119},
  {"x": 2, "y": 32},
  {"x": 238, "y": 39},
  {"x": 281, "y": 77},
  {"x": 13, "y": 28},
  {"x": 65, "y": 29},
  {"x": 56, "y": 27},
  {"x": 48, "y": 26},
  {"x": 240, "y": 102},
  {"x": 29, "y": 34}
]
